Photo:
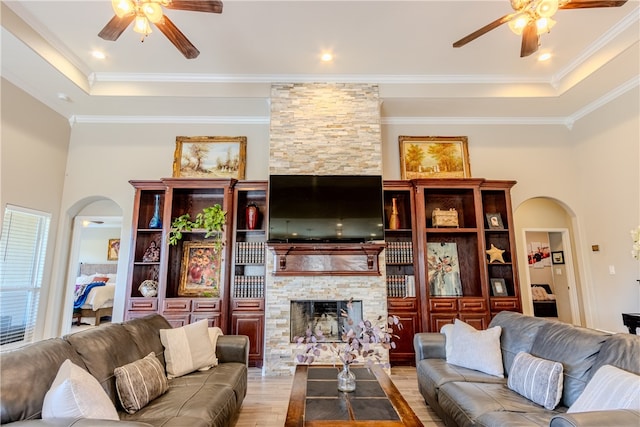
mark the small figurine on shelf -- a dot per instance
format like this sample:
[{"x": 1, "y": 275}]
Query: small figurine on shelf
[
  {"x": 495, "y": 254},
  {"x": 152, "y": 253}
]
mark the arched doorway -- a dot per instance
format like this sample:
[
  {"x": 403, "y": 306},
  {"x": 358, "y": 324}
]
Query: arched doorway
[
  {"x": 550, "y": 286},
  {"x": 95, "y": 237}
]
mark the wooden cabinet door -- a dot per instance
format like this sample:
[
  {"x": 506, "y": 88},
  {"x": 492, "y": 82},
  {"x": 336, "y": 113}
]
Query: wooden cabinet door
[
  {"x": 252, "y": 325},
  {"x": 404, "y": 352},
  {"x": 440, "y": 319},
  {"x": 477, "y": 320}
]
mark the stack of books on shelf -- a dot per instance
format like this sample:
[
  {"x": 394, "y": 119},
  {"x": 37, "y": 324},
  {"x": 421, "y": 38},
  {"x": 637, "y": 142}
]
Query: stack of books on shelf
[
  {"x": 250, "y": 252},
  {"x": 401, "y": 286},
  {"x": 399, "y": 253},
  {"x": 248, "y": 287}
]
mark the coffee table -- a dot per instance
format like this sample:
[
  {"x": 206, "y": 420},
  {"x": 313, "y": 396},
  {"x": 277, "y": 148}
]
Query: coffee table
[{"x": 315, "y": 400}]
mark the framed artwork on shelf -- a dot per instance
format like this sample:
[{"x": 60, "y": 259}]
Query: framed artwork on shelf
[
  {"x": 434, "y": 157},
  {"x": 443, "y": 269},
  {"x": 499, "y": 287},
  {"x": 557, "y": 257},
  {"x": 113, "y": 249},
  {"x": 494, "y": 221},
  {"x": 200, "y": 270},
  {"x": 210, "y": 157}
]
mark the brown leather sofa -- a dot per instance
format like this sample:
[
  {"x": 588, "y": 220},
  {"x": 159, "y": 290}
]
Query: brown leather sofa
[
  {"x": 207, "y": 398},
  {"x": 465, "y": 397}
]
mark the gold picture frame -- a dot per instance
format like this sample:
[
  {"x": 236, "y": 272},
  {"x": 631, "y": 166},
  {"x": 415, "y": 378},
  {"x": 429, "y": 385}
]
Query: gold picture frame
[
  {"x": 113, "y": 249},
  {"x": 434, "y": 157},
  {"x": 210, "y": 157},
  {"x": 200, "y": 270}
]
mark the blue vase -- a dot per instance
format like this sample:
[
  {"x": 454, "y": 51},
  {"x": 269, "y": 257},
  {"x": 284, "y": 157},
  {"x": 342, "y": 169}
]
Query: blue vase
[{"x": 155, "y": 220}]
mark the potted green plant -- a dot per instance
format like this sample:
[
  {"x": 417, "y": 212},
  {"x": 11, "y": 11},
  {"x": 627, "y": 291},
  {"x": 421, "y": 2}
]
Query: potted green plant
[{"x": 211, "y": 219}]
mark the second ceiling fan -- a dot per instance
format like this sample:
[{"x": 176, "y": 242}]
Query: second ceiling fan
[
  {"x": 532, "y": 18},
  {"x": 145, "y": 11}
]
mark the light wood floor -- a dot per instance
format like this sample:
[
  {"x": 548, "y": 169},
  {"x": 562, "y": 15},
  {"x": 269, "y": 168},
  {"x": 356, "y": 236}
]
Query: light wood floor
[{"x": 268, "y": 398}]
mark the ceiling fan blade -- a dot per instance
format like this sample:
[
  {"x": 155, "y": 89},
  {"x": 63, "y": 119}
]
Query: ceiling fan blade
[
  {"x": 483, "y": 30},
  {"x": 530, "y": 40},
  {"x": 178, "y": 39},
  {"x": 211, "y": 6},
  {"x": 115, "y": 27},
  {"x": 586, "y": 4}
]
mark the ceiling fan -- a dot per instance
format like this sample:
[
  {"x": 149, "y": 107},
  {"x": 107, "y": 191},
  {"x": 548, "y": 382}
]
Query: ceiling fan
[
  {"x": 532, "y": 18},
  {"x": 145, "y": 11}
]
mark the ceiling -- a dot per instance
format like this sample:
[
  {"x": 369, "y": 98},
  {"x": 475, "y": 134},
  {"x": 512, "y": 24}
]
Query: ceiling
[{"x": 403, "y": 46}]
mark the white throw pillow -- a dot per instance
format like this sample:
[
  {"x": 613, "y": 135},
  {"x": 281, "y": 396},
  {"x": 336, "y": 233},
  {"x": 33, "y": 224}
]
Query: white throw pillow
[
  {"x": 610, "y": 388},
  {"x": 75, "y": 393},
  {"x": 537, "y": 379},
  {"x": 447, "y": 330},
  {"x": 478, "y": 350},
  {"x": 214, "y": 333},
  {"x": 187, "y": 349}
]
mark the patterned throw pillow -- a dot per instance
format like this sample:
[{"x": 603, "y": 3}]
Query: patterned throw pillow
[
  {"x": 187, "y": 349},
  {"x": 139, "y": 382},
  {"x": 537, "y": 379},
  {"x": 474, "y": 349}
]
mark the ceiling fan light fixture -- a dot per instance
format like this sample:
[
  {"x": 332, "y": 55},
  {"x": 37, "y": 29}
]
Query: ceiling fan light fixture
[
  {"x": 518, "y": 23},
  {"x": 547, "y": 8},
  {"x": 141, "y": 25},
  {"x": 153, "y": 11},
  {"x": 123, "y": 7},
  {"x": 544, "y": 25}
]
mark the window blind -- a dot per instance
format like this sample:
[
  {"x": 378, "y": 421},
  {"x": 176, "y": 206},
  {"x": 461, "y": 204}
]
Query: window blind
[{"x": 23, "y": 246}]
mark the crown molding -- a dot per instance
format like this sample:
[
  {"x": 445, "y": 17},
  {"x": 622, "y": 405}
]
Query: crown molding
[{"x": 145, "y": 120}]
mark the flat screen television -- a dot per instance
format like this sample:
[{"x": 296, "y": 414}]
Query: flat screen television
[{"x": 325, "y": 208}]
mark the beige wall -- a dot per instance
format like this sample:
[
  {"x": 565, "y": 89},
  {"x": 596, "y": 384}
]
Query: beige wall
[
  {"x": 592, "y": 170},
  {"x": 34, "y": 148}
]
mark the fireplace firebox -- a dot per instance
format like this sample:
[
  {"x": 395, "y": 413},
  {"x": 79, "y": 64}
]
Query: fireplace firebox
[{"x": 325, "y": 316}]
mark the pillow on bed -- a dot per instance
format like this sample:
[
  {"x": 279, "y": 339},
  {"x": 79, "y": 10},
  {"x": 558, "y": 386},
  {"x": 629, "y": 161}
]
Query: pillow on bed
[{"x": 104, "y": 279}]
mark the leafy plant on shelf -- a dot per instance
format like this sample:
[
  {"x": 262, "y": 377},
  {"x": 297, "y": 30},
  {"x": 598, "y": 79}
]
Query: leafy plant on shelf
[
  {"x": 211, "y": 219},
  {"x": 361, "y": 341}
]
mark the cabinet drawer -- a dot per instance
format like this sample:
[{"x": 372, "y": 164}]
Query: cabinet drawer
[
  {"x": 143, "y": 304},
  {"x": 175, "y": 304},
  {"x": 177, "y": 320},
  {"x": 213, "y": 318},
  {"x": 402, "y": 304},
  {"x": 472, "y": 304},
  {"x": 443, "y": 304},
  {"x": 248, "y": 304},
  {"x": 504, "y": 304},
  {"x": 206, "y": 305}
]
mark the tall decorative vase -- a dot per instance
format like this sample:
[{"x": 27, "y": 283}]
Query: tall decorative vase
[
  {"x": 156, "y": 222},
  {"x": 346, "y": 379},
  {"x": 394, "y": 219},
  {"x": 251, "y": 213}
]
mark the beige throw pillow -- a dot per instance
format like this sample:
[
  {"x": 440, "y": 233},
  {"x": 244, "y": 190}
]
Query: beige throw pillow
[
  {"x": 610, "y": 388},
  {"x": 139, "y": 382},
  {"x": 214, "y": 333},
  {"x": 478, "y": 350},
  {"x": 187, "y": 349},
  {"x": 75, "y": 393}
]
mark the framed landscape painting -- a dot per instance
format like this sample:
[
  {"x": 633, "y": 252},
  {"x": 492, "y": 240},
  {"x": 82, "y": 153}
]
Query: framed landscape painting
[
  {"x": 210, "y": 157},
  {"x": 434, "y": 157}
]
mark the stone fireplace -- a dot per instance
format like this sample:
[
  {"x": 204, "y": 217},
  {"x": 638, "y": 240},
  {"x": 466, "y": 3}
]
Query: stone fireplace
[{"x": 323, "y": 129}]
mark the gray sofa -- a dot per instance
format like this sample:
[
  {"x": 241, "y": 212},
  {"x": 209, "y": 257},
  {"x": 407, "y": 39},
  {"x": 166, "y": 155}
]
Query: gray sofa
[
  {"x": 465, "y": 397},
  {"x": 207, "y": 398}
]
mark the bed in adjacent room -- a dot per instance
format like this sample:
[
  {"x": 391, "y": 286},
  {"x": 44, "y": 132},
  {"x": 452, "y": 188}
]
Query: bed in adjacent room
[
  {"x": 544, "y": 301},
  {"x": 94, "y": 292}
]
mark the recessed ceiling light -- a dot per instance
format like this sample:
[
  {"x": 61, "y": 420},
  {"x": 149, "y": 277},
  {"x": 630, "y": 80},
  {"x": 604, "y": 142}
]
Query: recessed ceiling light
[
  {"x": 544, "y": 56},
  {"x": 98, "y": 54},
  {"x": 326, "y": 57},
  {"x": 64, "y": 97}
]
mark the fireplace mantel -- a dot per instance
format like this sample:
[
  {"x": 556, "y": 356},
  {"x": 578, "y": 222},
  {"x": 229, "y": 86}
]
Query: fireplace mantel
[{"x": 335, "y": 259}]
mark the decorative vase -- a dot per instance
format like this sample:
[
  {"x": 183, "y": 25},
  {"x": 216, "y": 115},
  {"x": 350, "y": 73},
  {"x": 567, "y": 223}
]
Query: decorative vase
[
  {"x": 155, "y": 220},
  {"x": 251, "y": 213},
  {"x": 394, "y": 219},
  {"x": 346, "y": 379}
]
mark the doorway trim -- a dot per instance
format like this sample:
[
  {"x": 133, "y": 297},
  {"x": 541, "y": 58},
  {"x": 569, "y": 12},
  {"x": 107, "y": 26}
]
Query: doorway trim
[{"x": 568, "y": 262}]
